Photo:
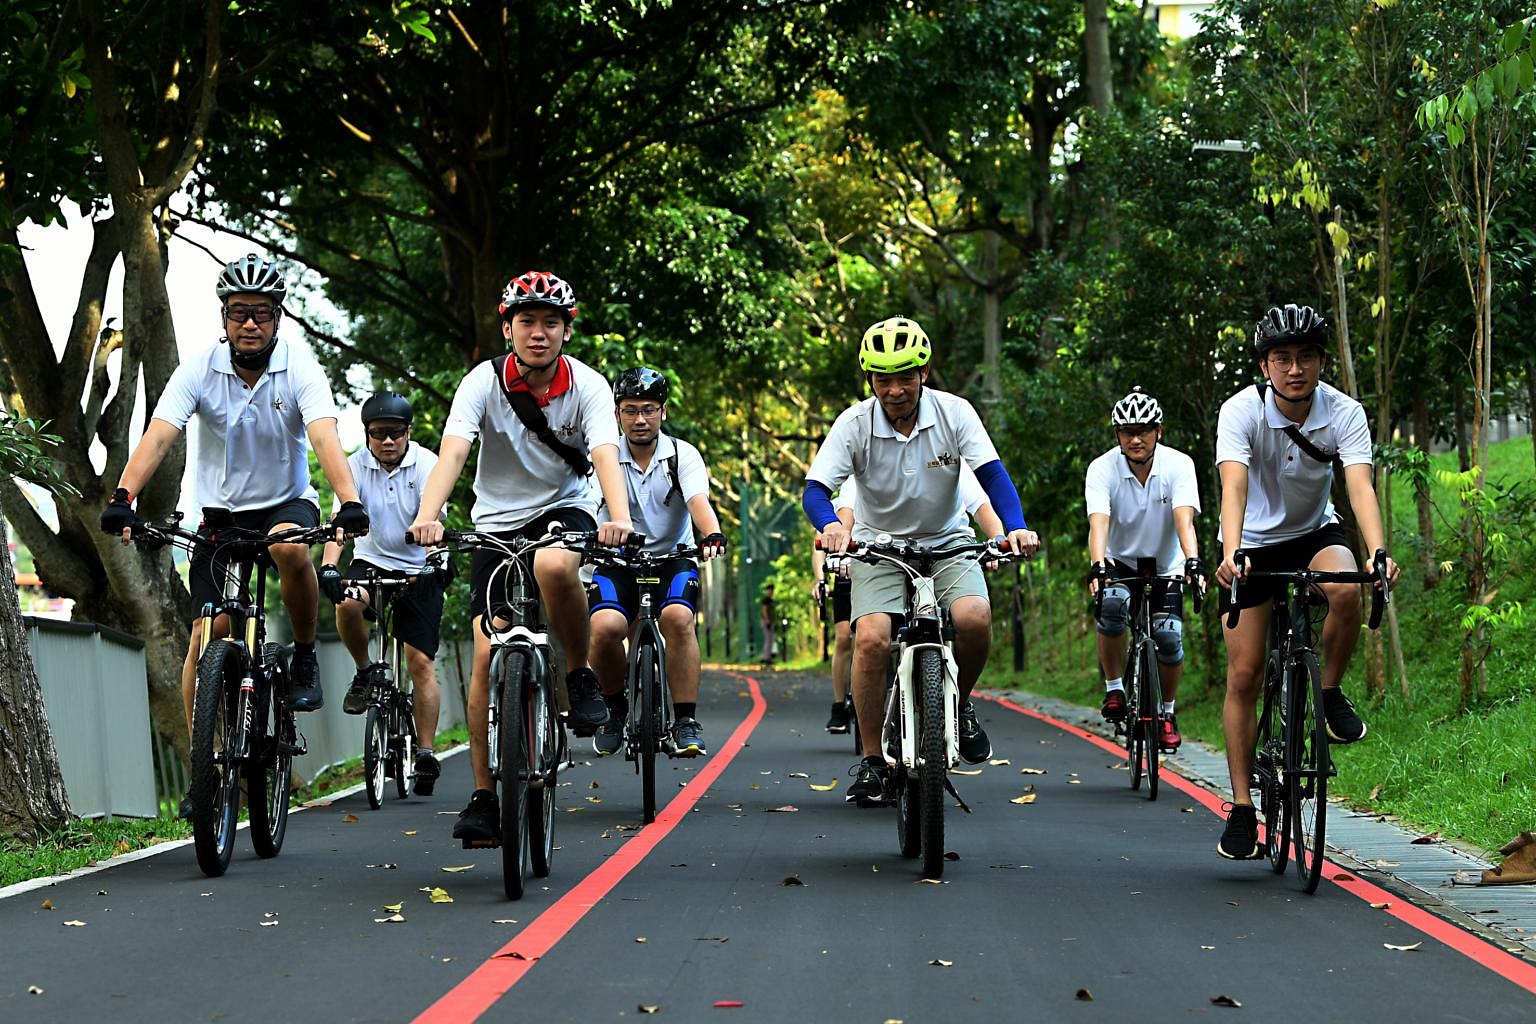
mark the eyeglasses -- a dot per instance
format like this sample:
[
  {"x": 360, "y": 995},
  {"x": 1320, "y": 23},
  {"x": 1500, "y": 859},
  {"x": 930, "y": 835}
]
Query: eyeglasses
[
  {"x": 388, "y": 433},
  {"x": 1306, "y": 360},
  {"x": 633, "y": 411},
  {"x": 241, "y": 313}
]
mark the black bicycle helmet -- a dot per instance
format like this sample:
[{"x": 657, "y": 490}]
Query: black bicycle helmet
[
  {"x": 1287, "y": 325},
  {"x": 387, "y": 405},
  {"x": 640, "y": 382}
]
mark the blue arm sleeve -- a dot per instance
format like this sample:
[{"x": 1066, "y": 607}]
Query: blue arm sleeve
[
  {"x": 817, "y": 502},
  {"x": 1002, "y": 494}
]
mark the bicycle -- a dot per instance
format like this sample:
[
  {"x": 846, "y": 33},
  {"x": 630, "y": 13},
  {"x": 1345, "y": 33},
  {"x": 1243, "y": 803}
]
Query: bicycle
[
  {"x": 241, "y": 722},
  {"x": 1291, "y": 764},
  {"x": 922, "y": 710},
  {"x": 648, "y": 730},
  {"x": 526, "y": 735},
  {"x": 1143, "y": 679},
  {"x": 389, "y": 731}
]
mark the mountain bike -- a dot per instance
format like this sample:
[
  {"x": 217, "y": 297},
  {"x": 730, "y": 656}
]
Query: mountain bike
[
  {"x": 389, "y": 730},
  {"x": 648, "y": 730},
  {"x": 242, "y": 726},
  {"x": 1291, "y": 764},
  {"x": 1143, "y": 679},
  {"x": 922, "y": 708},
  {"x": 527, "y": 741}
]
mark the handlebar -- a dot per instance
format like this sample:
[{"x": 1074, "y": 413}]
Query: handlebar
[
  {"x": 153, "y": 534},
  {"x": 1381, "y": 594},
  {"x": 1102, "y": 574}
]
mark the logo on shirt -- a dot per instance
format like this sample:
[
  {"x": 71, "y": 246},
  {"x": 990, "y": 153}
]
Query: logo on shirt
[
  {"x": 566, "y": 429},
  {"x": 945, "y": 459},
  {"x": 277, "y": 403}
]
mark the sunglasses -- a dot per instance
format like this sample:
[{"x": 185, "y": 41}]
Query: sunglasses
[
  {"x": 240, "y": 313},
  {"x": 388, "y": 433}
]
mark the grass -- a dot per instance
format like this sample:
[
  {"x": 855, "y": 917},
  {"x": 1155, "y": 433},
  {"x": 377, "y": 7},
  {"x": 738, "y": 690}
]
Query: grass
[
  {"x": 1468, "y": 773},
  {"x": 85, "y": 841}
]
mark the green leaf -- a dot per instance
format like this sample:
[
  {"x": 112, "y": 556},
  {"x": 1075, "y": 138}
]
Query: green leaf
[
  {"x": 1513, "y": 37},
  {"x": 1526, "y": 69},
  {"x": 1466, "y": 105},
  {"x": 1454, "y": 134}
]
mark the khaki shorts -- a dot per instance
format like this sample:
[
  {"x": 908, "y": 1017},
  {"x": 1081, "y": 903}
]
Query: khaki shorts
[{"x": 883, "y": 587}]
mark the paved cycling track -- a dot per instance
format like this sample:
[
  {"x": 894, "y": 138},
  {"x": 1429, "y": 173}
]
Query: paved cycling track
[{"x": 1090, "y": 890}]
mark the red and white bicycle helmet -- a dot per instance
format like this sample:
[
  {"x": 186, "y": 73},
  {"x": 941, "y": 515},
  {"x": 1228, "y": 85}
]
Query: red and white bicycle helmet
[{"x": 538, "y": 288}]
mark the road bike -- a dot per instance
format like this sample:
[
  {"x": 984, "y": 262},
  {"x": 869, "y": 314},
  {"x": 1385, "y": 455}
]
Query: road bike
[
  {"x": 648, "y": 730},
  {"x": 1291, "y": 763},
  {"x": 242, "y": 725},
  {"x": 1143, "y": 680},
  {"x": 389, "y": 730},
  {"x": 922, "y": 709},
  {"x": 526, "y": 735}
]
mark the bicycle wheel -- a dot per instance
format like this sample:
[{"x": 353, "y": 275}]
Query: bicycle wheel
[
  {"x": 511, "y": 739},
  {"x": 375, "y": 754},
  {"x": 1269, "y": 757},
  {"x": 932, "y": 749},
  {"x": 268, "y": 772},
  {"x": 1151, "y": 703},
  {"x": 1308, "y": 777},
  {"x": 650, "y": 729},
  {"x": 853, "y": 724},
  {"x": 544, "y": 731},
  {"x": 1134, "y": 739},
  {"x": 909, "y": 813},
  {"x": 402, "y": 742},
  {"x": 215, "y": 778}
]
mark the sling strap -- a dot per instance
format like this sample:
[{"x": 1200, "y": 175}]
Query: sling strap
[{"x": 532, "y": 416}]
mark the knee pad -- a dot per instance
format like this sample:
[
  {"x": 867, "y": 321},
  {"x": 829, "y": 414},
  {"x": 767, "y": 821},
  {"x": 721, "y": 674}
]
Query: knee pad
[
  {"x": 1168, "y": 635},
  {"x": 1115, "y": 614}
]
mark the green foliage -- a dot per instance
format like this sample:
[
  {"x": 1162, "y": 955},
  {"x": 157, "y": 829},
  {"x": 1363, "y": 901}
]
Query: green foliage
[{"x": 24, "y": 448}]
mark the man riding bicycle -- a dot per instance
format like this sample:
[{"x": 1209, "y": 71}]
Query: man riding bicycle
[
  {"x": 668, "y": 490},
  {"x": 391, "y": 471},
  {"x": 1142, "y": 497},
  {"x": 1277, "y": 444},
  {"x": 544, "y": 422},
  {"x": 260, "y": 404},
  {"x": 905, "y": 446}
]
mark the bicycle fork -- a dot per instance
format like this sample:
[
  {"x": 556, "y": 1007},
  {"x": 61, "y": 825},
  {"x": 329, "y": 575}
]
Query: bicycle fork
[{"x": 907, "y": 703}]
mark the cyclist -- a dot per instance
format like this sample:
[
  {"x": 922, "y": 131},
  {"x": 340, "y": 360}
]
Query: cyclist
[
  {"x": 1276, "y": 446},
  {"x": 668, "y": 489},
  {"x": 545, "y": 422},
  {"x": 976, "y": 505},
  {"x": 391, "y": 471},
  {"x": 1142, "y": 498},
  {"x": 256, "y": 398},
  {"x": 905, "y": 446},
  {"x": 768, "y": 619}
]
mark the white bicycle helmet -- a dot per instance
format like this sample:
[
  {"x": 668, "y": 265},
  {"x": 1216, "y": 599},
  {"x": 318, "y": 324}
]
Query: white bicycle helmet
[
  {"x": 252, "y": 274},
  {"x": 1136, "y": 409}
]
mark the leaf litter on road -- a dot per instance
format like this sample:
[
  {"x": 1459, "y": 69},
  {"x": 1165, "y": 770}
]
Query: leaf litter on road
[
  {"x": 829, "y": 787},
  {"x": 456, "y": 869},
  {"x": 1403, "y": 949}
]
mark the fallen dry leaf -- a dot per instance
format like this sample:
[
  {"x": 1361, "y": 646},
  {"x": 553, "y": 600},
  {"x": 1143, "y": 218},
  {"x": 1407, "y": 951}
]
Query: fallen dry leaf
[
  {"x": 316, "y": 803},
  {"x": 756, "y": 786},
  {"x": 1084, "y": 996},
  {"x": 951, "y": 855},
  {"x": 1027, "y": 798},
  {"x": 997, "y": 762},
  {"x": 942, "y": 963},
  {"x": 393, "y": 908},
  {"x": 391, "y": 919},
  {"x": 410, "y": 833},
  {"x": 1380, "y": 906},
  {"x": 440, "y": 895},
  {"x": 268, "y": 924},
  {"x": 791, "y": 880},
  {"x": 505, "y": 920},
  {"x": 798, "y": 775},
  {"x": 1403, "y": 949},
  {"x": 456, "y": 870},
  {"x": 1186, "y": 810},
  {"x": 829, "y": 787},
  {"x": 1225, "y": 1001},
  {"x": 1341, "y": 877},
  {"x": 47, "y": 904},
  {"x": 514, "y": 955},
  {"x": 643, "y": 1008},
  {"x": 728, "y": 1004},
  {"x": 1207, "y": 947},
  {"x": 594, "y": 799},
  {"x": 962, "y": 771},
  {"x": 122, "y": 846},
  {"x": 640, "y": 938},
  {"x": 1433, "y": 837},
  {"x": 349, "y": 818},
  {"x": 593, "y": 785},
  {"x": 932, "y": 881},
  {"x": 1074, "y": 782},
  {"x": 1036, "y": 771},
  {"x": 386, "y": 867},
  {"x": 34, "y": 990},
  {"x": 74, "y": 924},
  {"x": 1375, "y": 793},
  {"x": 786, "y": 809}
]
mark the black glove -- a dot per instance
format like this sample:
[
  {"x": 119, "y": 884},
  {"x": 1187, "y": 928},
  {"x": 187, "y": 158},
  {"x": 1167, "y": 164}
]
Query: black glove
[
  {"x": 1194, "y": 569},
  {"x": 331, "y": 583},
  {"x": 351, "y": 518},
  {"x": 118, "y": 514},
  {"x": 443, "y": 572},
  {"x": 712, "y": 546}
]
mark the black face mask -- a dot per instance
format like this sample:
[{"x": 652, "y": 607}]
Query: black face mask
[{"x": 257, "y": 360}]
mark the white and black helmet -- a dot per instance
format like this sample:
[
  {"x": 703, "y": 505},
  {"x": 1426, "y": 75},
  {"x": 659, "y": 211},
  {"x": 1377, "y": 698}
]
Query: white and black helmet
[
  {"x": 252, "y": 274},
  {"x": 1135, "y": 409}
]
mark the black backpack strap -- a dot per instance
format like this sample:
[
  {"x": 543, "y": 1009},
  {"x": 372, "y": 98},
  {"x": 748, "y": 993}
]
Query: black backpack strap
[
  {"x": 532, "y": 416},
  {"x": 674, "y": 487},
  {"x": 1294, "y": 433}
]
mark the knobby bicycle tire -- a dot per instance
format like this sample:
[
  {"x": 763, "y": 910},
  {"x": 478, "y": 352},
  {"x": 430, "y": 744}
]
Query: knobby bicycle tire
[
  {"x": 933, "y": 751},
  {"x": 1269, "y": 762},
  {"x": 1309, "y": 776},
  {"x": 544, "y": 735},
  {"x": 215, "y": 779},
  {"x": 1151, "y": 698},
  {"x": 270, "y": 768},
  {"x": 650, "y": 733},
  {"x": 375, "y": 755},
  {"x": 512, "y": 745}
]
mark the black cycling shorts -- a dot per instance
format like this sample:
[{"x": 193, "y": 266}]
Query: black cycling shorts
[
  {"x": 417, "y": 612},
  {"x": 842, "y": 600},
  {"x": 484, "y": 562},
  {"x": 205, "y": 574},
  {"x": 1283, "y": 557}
]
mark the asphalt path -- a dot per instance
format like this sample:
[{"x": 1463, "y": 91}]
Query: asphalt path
[{"x": 753, "y": 888}]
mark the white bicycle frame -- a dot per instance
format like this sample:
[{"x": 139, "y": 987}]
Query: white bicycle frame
[{"x": 925, "y": 605}]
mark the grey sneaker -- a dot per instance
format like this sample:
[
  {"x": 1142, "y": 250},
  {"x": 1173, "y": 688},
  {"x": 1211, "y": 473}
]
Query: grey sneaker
[
  {"x": 974, "y": 745},
  {"x": 688, "y": 736},
  {"x": 609, "y": 738},
  {"x": 588, "y": 709},
  {"x": 306, "y": 694},
  {"x": 356, "y": 700}
]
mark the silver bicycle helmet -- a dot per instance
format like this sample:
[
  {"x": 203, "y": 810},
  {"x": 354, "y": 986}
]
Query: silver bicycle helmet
[{"x": 252, "y": 274}]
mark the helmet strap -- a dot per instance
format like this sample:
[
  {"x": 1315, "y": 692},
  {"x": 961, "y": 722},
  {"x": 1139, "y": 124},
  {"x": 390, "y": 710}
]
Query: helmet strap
[{"x": 257, "y": 360}]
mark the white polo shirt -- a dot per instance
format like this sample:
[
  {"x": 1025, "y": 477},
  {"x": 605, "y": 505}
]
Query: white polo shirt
[
  {"x": 392, "y": 497},
  {"x": 1288, "y": 490},
  {"x": 1141, "y": 515},
  {"x": 971, "y": 494},
  {"x": 252, "y": 445},
  {"x": 663, "y": 525},
  {"x": 909, "y": 487},
  {"x": 518, "y": 476}
]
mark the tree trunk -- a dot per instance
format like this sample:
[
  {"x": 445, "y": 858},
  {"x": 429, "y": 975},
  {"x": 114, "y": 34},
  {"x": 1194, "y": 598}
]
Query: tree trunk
[
  {"x": 32, "y": 798},
  {"x": 1530, "y": 402},
  {"x": 992, "y": 330},
  {"x": 1101, "y": 87}
]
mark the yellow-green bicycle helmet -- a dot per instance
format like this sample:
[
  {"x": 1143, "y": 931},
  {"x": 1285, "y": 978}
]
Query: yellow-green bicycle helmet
[{"x": 894, "y": 345}]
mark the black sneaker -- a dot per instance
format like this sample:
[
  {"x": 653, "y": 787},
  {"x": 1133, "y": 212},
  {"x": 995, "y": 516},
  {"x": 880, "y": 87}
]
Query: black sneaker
[
  {"x": 588, "y": 709},
  {"x": 610, "y": 736},
  {"x": 1344, "y": 726},
  {"x": 838, "y": 722},
  {"x": 688, "y": 738},
  {"x": 427, "y": 771},
  {"x": 870, "y": 788},
  {"x": 305, "y": 676},
  {"x": 481, "y": 820},
  {"x": 356, "y": 700},
  {"x": 1240, "y": 839},
  {"x": 974, "y": 745},
  {"x": 184, "y": 809}
]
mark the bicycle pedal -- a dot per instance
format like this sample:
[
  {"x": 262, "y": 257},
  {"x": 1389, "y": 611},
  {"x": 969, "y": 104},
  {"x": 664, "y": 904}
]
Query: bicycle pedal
[{"x": 480, "y": 844}]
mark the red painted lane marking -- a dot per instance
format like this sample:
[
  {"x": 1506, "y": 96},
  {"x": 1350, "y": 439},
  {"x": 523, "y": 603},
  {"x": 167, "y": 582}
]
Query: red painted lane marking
[
  {"x": 1480, "y": 951},
  {"x": 471, "y": 997}
]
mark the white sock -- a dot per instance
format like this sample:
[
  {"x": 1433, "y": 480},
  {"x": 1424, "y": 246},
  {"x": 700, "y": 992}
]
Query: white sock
[
  {"x": 1118, "y": 683},
  {"x": 1166, "y": 707}
]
